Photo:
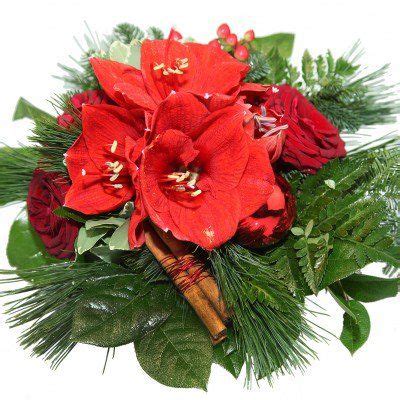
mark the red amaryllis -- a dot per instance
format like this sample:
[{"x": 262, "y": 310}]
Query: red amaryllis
[
  {"x": 92, "y": 97},
  {"x": 269, "y": 223},
  {"x": 202, "y": 173},
  {"x": 170, "y": 66},
  {"x": 46, "y": 193},
  {"x": 311, "y": 140},
  {"x": 101, "y": 161}
]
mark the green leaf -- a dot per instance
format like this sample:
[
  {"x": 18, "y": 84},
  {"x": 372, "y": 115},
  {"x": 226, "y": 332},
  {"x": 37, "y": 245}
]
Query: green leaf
[
  {"x": 65, "y": 212},
  {"x": 368, "y": 288},
  {"x": 104, "y": 223},
  {"x": 283, "y": 42},
  {"x": 334, "y": 290},
  {"x": 228, "y": 356},
  {"x": 126, "y": 53},
  {"x": 25, "y": 249},
  {"x": 330, "y": 183},
  {"x": 119, "y": 239},
  {"x": 297, "y": 231},
  {"x": 308, "y": 228},
  {"x": 87, "y": 239},
  {"x": 114, "y": 312},
  {"x": 24, "y": 109},
  {"x": 177, "y": 353},
  {"x": 355, "y": 330}
]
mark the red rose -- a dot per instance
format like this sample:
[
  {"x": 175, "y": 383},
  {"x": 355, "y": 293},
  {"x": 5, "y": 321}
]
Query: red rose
[
  {"x": 46, "y": 193},
  {"x": 271, "y": 221},
  {"x": 311, "y": 140},
  {"x": 92, "y": 97}
]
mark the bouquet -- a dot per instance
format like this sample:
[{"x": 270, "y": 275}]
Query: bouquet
[{"x": 193, "y": 200}]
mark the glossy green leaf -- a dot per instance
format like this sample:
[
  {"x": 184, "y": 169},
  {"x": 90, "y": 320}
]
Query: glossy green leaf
[
  {"x": 368, "y": 288},
  {"x": 355, "y": 330},
  {"x": 25, "y": 248},
  {"x": 24, "y": 109},
  {"x": 114, "y": 313},
  {"x": 177, "y": 353},
  {"x": 334, "y": 290},
  {"x": 281, "y": 41},
  {"x": 227, "y": 356},
  {"x": 65, "y": 212}
]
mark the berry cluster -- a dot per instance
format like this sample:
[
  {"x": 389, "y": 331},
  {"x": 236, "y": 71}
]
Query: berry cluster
[{"x": 229, "y": 42}]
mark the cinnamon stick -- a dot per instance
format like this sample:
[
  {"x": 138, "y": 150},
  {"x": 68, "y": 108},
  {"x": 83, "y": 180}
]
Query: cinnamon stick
[
  {"x": 208, "y": 285},
  {"x": 193, "y": 293}
]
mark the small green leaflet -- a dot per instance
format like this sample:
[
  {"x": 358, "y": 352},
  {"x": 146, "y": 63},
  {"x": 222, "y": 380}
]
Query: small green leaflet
[
  {"x": 355, "y": 330},
  {"x": 65, "y": 212},
  {"x": 283, "y": 42},
  {"x": 25, "y": 249},
  {"x": 368, "y": 288},
  {"x": 104, "y": 223},
  {"x": 24, "y": 109},
  {"x": 126, "y": 53},
  {"x": 178, "y": 352}
]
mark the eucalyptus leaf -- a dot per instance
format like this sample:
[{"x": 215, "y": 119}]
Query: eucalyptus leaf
[
  {"x": 126, "y": 53},
  {"x": 283, "y": 42},
  {"x": 297, "y": 231},
  {"x": 368, "y": 288},
  {"x": 87, "y": 239},
  {"x": 119, "y": 239},
  {"x": 24, "y": 109},
  {"x": 355, "y": 330},
  {"x": 25, "y": 249},
  {"x": 114, "y": 313},
  {"x": 104, "y": 223},
  {"x": 178, "y": 352}
]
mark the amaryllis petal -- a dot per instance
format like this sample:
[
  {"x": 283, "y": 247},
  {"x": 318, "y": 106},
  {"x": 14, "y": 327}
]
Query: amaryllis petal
[
  {"x": 122, "y": 83},
  {"x": 179, "y": 111},
  {"x": 258, "y": 180}
]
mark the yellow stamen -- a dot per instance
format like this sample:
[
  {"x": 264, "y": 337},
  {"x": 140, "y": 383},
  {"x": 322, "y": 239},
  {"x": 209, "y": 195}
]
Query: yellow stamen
[
  {"x": 118, "y": 169},
  {"x": 196, "y": 193},
  {"x": 114, "y": 177},
  {"x": 158, "y": 66},
  {"x": 114, "y": 146},
  {"x": 118, "y": 186}
]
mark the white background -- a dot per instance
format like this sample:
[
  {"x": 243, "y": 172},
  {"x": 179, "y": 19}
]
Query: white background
[{"x": 35, "y": 35}]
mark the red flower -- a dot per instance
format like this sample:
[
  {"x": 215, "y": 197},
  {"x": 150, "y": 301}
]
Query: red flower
[
  {"x": 272, "y": 220},
  {"x": 46, "y": 193},
  {"x": 202, "y": 173},
  {"x": 311, "y": 140},
  {"x": 168, "y": 66},
  {"x": 93, "y": 97},
  {"x": 101, "y": 161}
]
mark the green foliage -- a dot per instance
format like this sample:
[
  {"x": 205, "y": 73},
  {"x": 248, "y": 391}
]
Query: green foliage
[
  {"x": 24, "y": 109},
  {"x": 125, "y": 33},
  {"x": 154, "y": 33},
  {"x": 355, "y": 330},
  {"x": 25, "y": 249},
  {"x": 16, "y": 169},
  {"x": 283, "y": 42},
  {"x": 366, "y": 288},
  {"x": 344, "y": 225},
  {"x": 47, "y": 304},
  {"x": 268, "y": 320},
  {"x": 117, "y": 310},
  {"x": 178, "y": 352}
]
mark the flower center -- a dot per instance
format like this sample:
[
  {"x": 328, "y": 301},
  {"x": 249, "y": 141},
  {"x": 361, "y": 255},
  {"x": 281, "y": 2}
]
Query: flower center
[
  {"x": 267, "y": 125},
  {"x": 176, "y": 68},
  {"x": 115, "y": 171},
  {"x": 182, "y": 183}
]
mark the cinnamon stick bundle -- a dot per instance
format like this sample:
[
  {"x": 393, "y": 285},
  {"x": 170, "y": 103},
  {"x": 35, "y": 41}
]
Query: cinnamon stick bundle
[
  {"x": 193, "y": 294},
  {"x": 207, "y": 284}
]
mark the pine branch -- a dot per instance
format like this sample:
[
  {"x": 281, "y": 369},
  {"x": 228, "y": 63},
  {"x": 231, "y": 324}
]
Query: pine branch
[{"x": 16, "y": 169}]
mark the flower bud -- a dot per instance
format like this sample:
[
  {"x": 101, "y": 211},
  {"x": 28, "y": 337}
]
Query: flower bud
[
  {"x": 231, "y": 40},
  {"x": 241, "y": 53},
  {"x": 249, "y": 36},
  {"x": 174, "y": 35},
  {"x": 223, "y": 31}
]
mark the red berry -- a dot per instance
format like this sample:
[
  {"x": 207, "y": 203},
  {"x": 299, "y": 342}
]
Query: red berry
[
  {"x": 249, "y": 36},
  {"x": 223, "y": 31},
  {"x": 215, "y": 43},
  {"x": 241, "y": 53},
  {"x": 174, "y": 35},
  {"x": 231, "y": 40}
]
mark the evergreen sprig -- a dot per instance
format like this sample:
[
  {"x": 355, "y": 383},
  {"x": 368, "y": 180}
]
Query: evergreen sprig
[
  {"x": 16, "y": 169},
  {"x": 268, "y": 320}
]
